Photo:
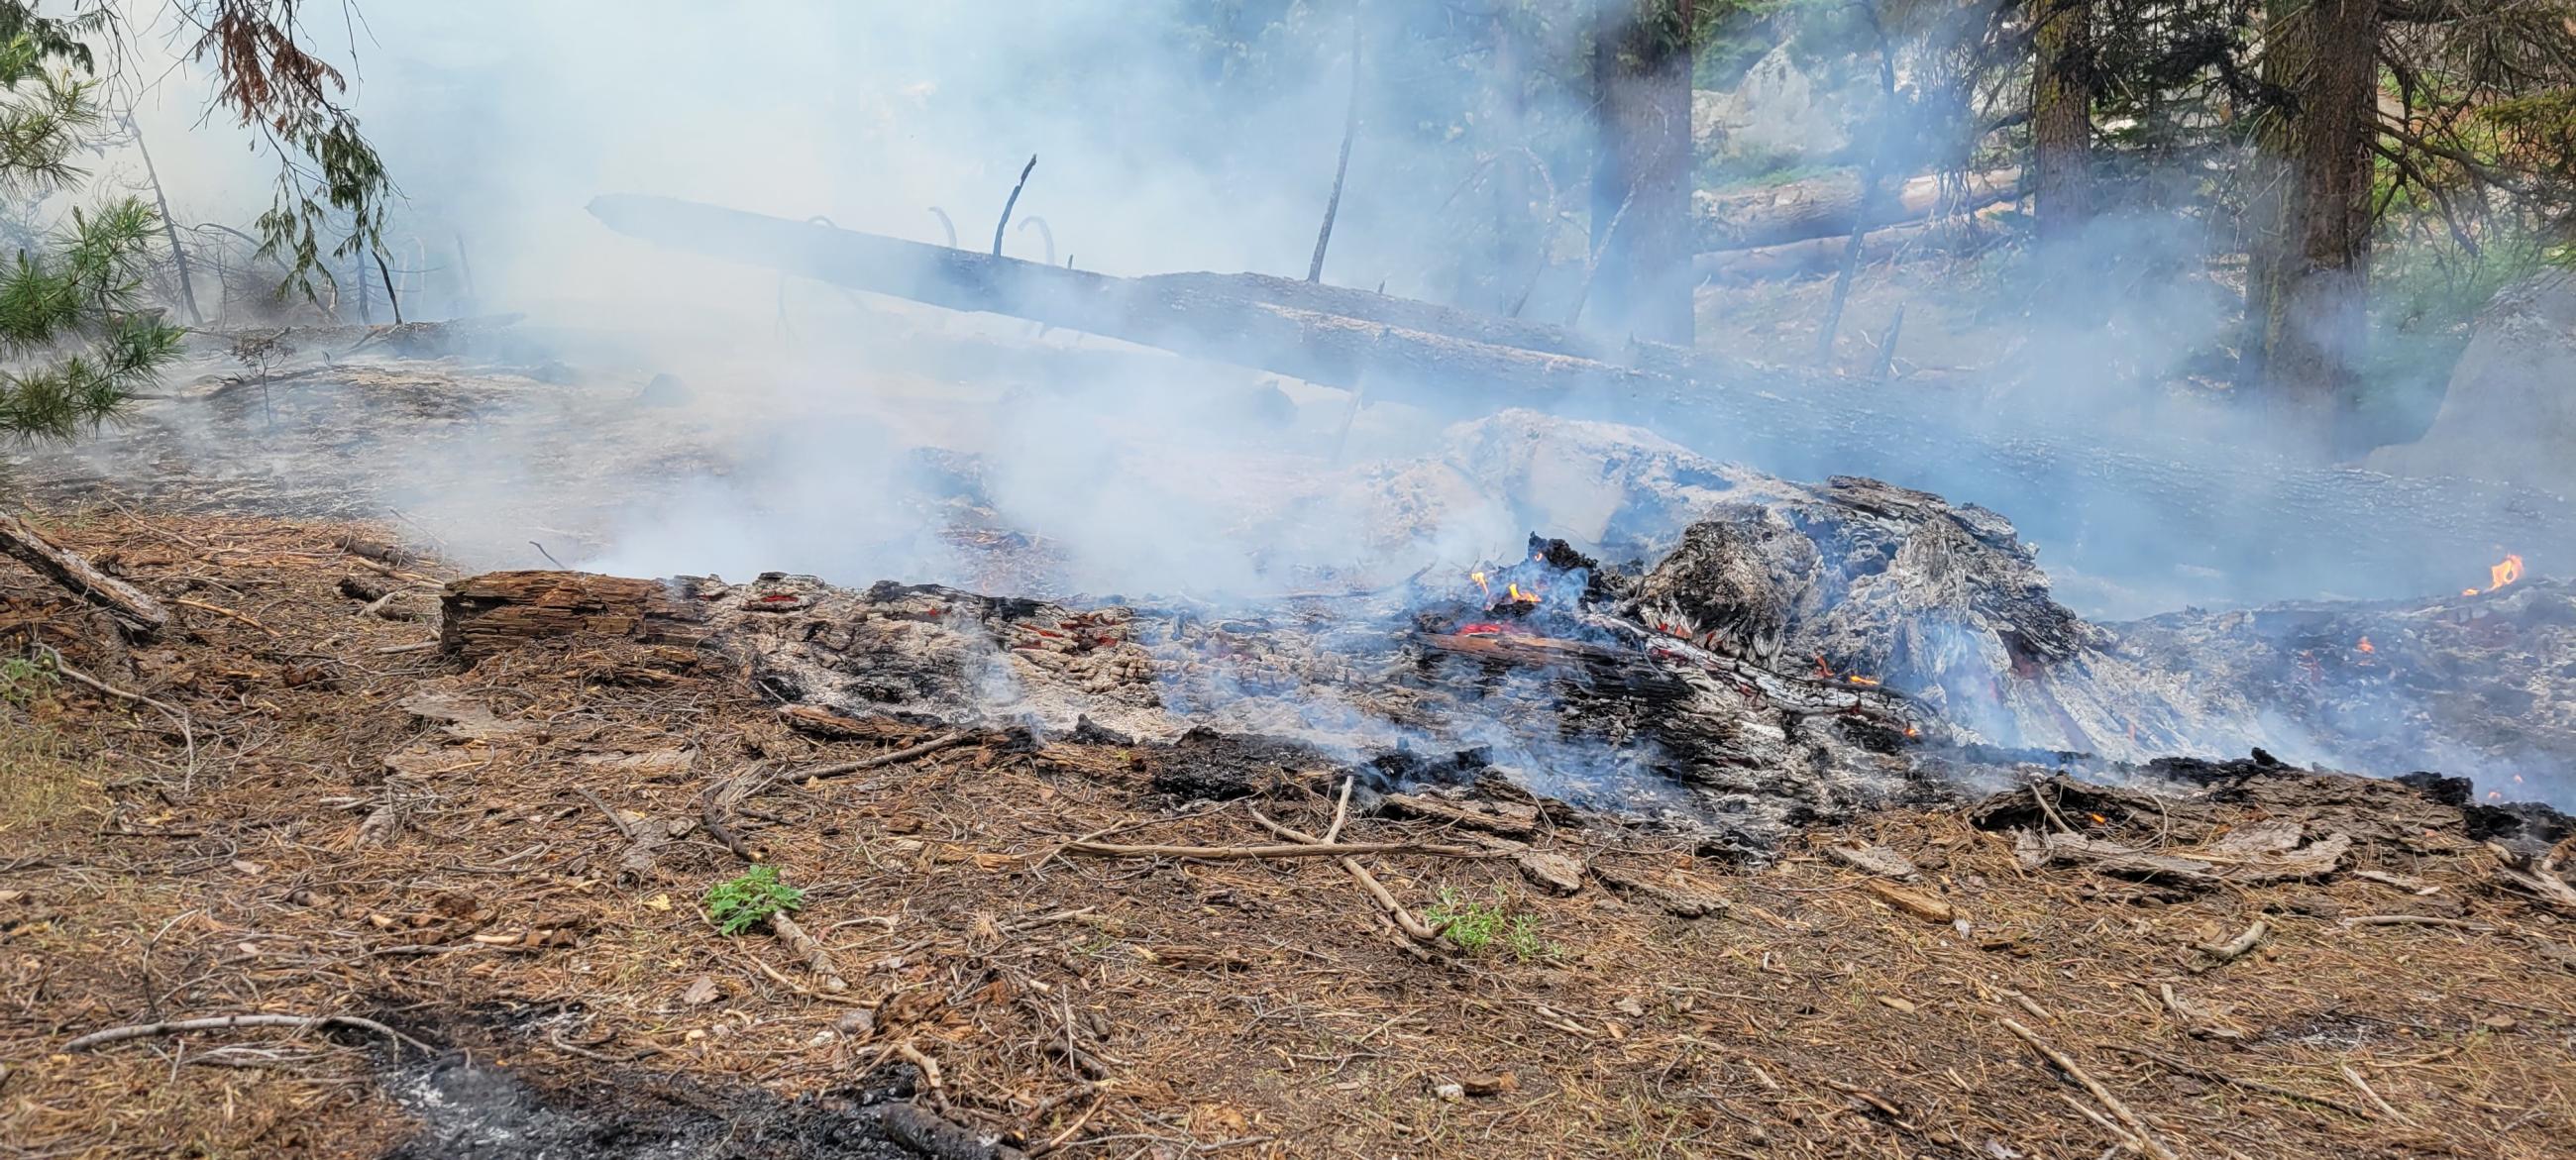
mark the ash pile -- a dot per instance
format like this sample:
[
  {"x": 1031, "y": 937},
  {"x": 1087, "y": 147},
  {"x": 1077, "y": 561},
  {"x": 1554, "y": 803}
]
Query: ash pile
[{"x": 1773, "y": 654}]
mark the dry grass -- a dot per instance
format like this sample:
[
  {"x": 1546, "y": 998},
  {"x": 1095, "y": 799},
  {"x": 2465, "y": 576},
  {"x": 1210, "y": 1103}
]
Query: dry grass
[{"x": 1126, "y": 1006}]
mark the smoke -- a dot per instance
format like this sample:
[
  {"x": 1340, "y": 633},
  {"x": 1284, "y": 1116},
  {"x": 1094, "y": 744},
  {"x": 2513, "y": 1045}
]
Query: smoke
[{"x": 1169, "y": 136}]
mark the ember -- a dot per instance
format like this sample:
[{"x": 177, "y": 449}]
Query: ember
[{"x": 2364, "y": 646}]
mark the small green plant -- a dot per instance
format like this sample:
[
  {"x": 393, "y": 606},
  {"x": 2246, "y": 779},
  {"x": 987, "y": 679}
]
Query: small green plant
[
  {"x": 27, "y": 680},
  {"x": 1473, "y": 926},
  {"x": 745, "y": 902}
]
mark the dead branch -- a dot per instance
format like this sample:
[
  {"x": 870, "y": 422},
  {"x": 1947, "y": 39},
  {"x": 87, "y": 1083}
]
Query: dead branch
[
  {"x": 2118, "y": 1110},
  {"x": 221, "y": 1022},
  {"x": 1239, "y": 853},
  {"x": 1413, "y": 928},
  {"x": 1007, "y": 206},
  {"x": 880, "y": 761},
  {"x": 138, "y": 611},
  {"x": 2252, "y": 1085},
  {"x": 227, "y": 613},
  {"x": 816, "y": 959},
  {"x": 2221, "y": 954}
]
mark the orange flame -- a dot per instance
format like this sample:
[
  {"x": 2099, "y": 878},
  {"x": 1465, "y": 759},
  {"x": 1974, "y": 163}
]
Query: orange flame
[
  {"x": 1911, "y": 731},
  {"x": 1515, "y": 595},
  {"x": 1861, "y": 680},
  {"x": 1481, "y": 586},
  {"x": 2365, "y": 646},
  {"x": 2499, "y": 574}
]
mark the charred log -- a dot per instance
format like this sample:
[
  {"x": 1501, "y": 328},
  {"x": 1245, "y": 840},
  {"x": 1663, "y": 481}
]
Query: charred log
[{"x": 1830, "y": 207}]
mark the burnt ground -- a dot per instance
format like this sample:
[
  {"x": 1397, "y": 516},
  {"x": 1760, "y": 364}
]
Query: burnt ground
[{"x": 328, "y": 819}]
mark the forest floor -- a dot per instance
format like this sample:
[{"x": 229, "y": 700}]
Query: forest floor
[{"x": 315, "y": 815}]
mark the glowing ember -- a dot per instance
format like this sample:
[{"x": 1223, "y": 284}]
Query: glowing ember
[
  {"x": 1861, "y": 680},
  {"x": 1481, "y": 586},
  {"x": 1479, "y": 628},
  {"x": 2099, "y": 820},
  {"x": 2495, "y": 796},
  {"x": 2499, "y": 574},
  {"x": 1911, "y": 731},
  {"x": 2365, "y": 646},
  {"x": 1514, "y": 594}
]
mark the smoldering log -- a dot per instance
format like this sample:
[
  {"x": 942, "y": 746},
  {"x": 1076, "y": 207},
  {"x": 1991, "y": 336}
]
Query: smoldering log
[
  {"x": 1829, "y": 207},
  {"x": 2145, "y": 500}
]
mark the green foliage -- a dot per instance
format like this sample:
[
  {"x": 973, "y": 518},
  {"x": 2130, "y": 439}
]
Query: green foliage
[
  {"x": 742, "y": 903},
  {"x": 1473, "y": 926},
  {"x": 27, "y": 680},
  {"x": 76, "y": 339}
]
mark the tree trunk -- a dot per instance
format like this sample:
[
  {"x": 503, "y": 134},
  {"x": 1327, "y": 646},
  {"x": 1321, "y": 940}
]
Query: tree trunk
[
  {"x": 1641, "y": 185},
  {"x": 2308, "y": 265},
  {"x": 2061, "y": 117}
]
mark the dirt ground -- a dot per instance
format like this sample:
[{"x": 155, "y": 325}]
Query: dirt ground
[{"x": 288, "y": 807}]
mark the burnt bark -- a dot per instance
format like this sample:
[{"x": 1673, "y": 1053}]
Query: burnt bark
[{"x": 1641, "y": 182}]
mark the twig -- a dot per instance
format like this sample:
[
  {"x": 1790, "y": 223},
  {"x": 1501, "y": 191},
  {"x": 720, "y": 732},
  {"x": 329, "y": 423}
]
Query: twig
[
  {"x": 913, "y": 1055},
  {"x": 423, "y": 646},
  {"x": 1341, "y": 812},
  {"x": 2251, "y": 1085},
  {"x": 1240, "y": 853},
  {"x": 1413, "y": 928},
  {"x": 550, "y": 557},
  {"x": 1014, "y": 200},
  {"x": 221, "y": 1022},
  {"x": 880, "y": 761},
  {"x": 2413, "y": 920},
  {"x": 187, "y": 731},
  {"x": 2109, "y": 1102},
  {"x": 816, "y": 959},
  {"x": 2375, "y": 1101},
  {"x": 623, "y": 830},
  {"x": 2221, "y": 954}
]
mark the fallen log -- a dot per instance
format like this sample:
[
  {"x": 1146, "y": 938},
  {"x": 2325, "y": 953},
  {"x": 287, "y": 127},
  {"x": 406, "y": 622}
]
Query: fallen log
[
  {"x": 139, "y": 612},
  {"x": 1916, "y": 240},
  {"x": 1829, "y": 207},
  {"x": 2132, "y": 501}
]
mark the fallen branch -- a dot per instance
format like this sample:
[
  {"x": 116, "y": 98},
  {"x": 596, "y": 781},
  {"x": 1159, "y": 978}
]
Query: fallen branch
[
  {"x": 2120, "y": 1111},
  {"x": 2252, "y": 1085},
  {"x": 1240, "y": 853},
  {"x": 221, "y": 1022},
  {"x": 139, "y": 611},
  {"x": 816, "y": 958},
  {"x": 187, "y": 730},
  {"x": 219, "y": 610},
  {"x": 880, "y": 761},
  {"x": 2221, "y": 954},
  {"x": 1413, "y": 928}
]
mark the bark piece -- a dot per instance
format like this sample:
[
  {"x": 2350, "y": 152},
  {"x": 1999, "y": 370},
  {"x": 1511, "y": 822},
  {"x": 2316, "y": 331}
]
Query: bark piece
[
  {"x": 1555, "y": 873},
  {"x": 498, "y": 611},
  {"x": 1873, "y": 859},
  {"x": 131, "y": 606},
  {"x": 1913, "y": 902}
]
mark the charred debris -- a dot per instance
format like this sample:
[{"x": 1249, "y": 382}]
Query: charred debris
[{"x": 1801, "y": 654}]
